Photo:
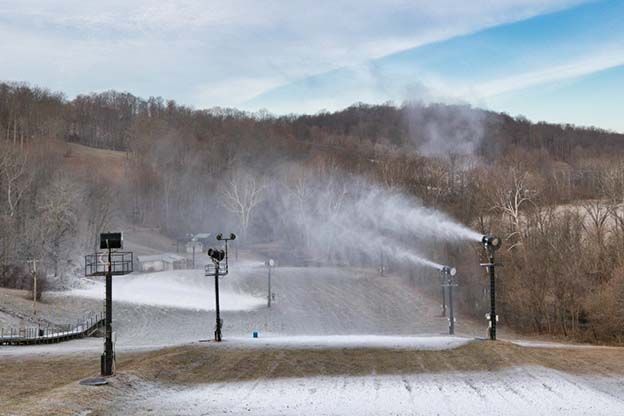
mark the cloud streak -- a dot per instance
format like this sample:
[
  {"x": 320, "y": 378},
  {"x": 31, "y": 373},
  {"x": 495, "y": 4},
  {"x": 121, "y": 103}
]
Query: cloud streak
[
  {"x": 583, "y": 66},
  {"x": 189, "y": 48}
]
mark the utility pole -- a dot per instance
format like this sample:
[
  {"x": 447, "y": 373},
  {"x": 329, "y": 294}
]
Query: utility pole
[
  {"x": 269, "y": 263},
  {"x": 33, "y": 262},
  {"x": 193, "y": 254},
  {"x": 269, "y": 292},
  {"x": 443, "y": 297}
]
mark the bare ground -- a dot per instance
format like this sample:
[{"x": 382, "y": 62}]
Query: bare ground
[{"x": 37, "y": 385}]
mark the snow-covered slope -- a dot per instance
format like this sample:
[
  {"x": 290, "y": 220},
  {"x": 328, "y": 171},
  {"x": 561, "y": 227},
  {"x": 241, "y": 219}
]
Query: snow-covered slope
[
  {"x": 519, "y": 391},
  {"x": 183, "y": 289},
  {"x": 177, "y": 307}
]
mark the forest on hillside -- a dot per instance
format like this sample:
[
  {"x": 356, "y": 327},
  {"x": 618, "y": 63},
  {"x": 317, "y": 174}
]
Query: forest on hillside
[{"x": 555, "y": 193}]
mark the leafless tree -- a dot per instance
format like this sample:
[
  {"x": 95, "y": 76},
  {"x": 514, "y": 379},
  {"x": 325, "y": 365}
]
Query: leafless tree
[
  {"x": 240, "y": 195},
  {"x": 59, "y": 220},
  {"x": 511, "y": 197},
  {"x": 16, "y": 176}
]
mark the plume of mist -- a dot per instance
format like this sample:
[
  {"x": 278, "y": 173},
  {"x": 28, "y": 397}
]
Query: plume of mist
[
  {"x": 369, "y": 242},
  {"x": 445, "y": 130},
  {"x": 398, "y": 213},
  {"x": 350, "y": 219}
]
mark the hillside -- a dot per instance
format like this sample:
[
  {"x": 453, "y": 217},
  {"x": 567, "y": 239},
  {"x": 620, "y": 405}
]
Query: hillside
[{"x": 296, "y": 183}]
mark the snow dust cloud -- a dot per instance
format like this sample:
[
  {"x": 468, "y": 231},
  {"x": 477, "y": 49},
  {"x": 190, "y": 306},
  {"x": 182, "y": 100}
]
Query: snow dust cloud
[{"x": 183, "y": 289}]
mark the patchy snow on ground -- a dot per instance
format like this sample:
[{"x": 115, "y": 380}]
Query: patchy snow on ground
[
  {"x": 84, "y": 345},
  {"x": 520, "y": 391},
  {"x": 550, "y": 344},
  {"x": 184, "y": 289},
  {"x": 351, "y": 341}
]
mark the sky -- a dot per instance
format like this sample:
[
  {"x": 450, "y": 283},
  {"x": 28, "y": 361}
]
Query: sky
[{"x": 553, "y": 60}]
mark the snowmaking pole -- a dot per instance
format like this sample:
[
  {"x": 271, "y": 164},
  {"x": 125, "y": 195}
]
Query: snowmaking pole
[
  {"x": 451, "y": 312},
  {"x": 491, "y": 244},
  {"x": 443, "y": 306},
  {"x": 447, "y": 274},
  {"x": 218, "y": 312},
  {"x": 217, "y": 256}
]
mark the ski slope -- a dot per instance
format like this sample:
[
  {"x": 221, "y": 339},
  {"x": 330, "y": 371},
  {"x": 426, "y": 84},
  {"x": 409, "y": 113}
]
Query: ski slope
[{"x": 178, "y": 307}]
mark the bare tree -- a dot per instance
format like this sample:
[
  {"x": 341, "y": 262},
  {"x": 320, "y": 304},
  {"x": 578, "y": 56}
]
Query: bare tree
[
  {"x": 511, "y": 199},
  {"x": 16, "y": 177},
  {"x": 100, "y": 210},
  {"x": 240, "y": 195},
  {"x": 59, "y": 220}
]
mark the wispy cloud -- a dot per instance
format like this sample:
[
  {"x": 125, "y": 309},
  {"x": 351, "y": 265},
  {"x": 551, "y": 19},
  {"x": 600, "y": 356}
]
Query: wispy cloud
[
  {"x": 563, "y": 71},
  {"x": 188, "y": 48}
]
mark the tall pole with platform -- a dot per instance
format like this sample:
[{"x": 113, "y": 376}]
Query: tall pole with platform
[
  {"x": 109, "y": 355},
  {"x": 108, "y": 263}
]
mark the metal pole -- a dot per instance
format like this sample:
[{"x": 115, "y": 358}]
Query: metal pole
[
  {"x": 34, "y": 275},
  {"x": 218, "y": 330},
  {"x": 193, "y": 255},
  {"x": 226, "y": 252},
  {"x": 269, "y": 295},
  {"x": 451, "y": 312},
  {"x": 443, "y": 300},
  {"x": 107, "y": 367},
  {"x": 34, "y": 287},
  {"x": 492, "y": 297}
]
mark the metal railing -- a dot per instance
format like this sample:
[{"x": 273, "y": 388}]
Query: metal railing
[
  {"x": 209, "y": 269},
  {"x": 56, "y": 333},
  {"x": 122, "y": 262}
]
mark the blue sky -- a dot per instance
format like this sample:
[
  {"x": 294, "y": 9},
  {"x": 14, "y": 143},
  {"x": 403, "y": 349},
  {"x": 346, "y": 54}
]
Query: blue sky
[{"x": 553, "y": 60}]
